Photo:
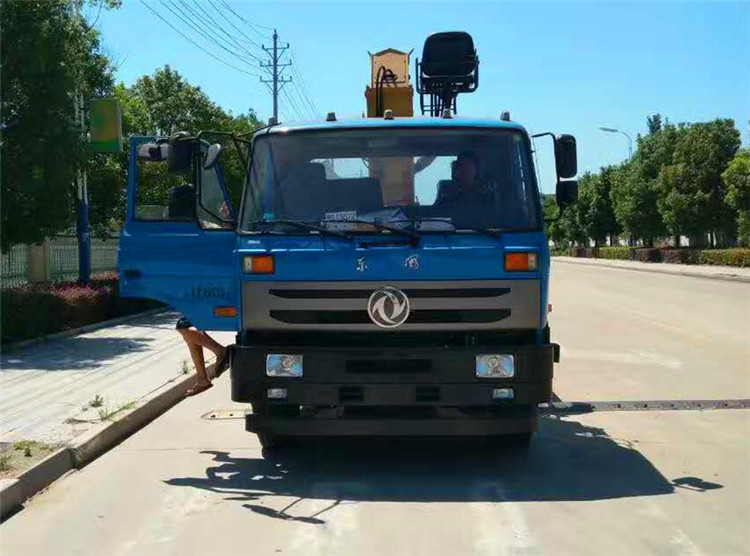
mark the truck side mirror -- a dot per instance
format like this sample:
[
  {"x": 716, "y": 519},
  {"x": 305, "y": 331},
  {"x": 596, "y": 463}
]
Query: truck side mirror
[
  {"x": 566, "y": 158},
  {"x": 212, "y": 156},
  {"x": 567, "y": 193},
  {"x": 180, "y": 157}
]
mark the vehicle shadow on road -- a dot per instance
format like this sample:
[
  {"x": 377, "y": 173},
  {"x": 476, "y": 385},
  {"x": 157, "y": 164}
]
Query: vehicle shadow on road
[{"x": 568, "y": 461}]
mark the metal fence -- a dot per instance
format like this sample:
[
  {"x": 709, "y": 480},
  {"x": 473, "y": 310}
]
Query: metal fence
[{"x": 63, "y": 263}]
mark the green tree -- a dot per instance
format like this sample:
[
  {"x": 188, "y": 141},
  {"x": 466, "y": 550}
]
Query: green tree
[
  {"x": 737, "y": 181},
  {"x": 160, "y": 104},
  {"x": 48, "y": 54},
  {"x": 596, "y": 214},
  {"x": 635, "y": 188},
  {"x": 556, "y": 233},
  {"x": 692, "y": 196}
]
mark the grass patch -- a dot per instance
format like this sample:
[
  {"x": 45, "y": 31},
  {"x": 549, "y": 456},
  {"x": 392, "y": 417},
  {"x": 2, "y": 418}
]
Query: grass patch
[
  {"x": 106, "y": 413},
  {"x": 18, "y": 456},
  {"x": 184, "y": 367},
  {"x": 98, "y": 401}
]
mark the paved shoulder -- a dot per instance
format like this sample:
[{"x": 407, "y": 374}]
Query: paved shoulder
[
  {"x": 697, "y": 271},
  {"x": 46, "y": 386}
]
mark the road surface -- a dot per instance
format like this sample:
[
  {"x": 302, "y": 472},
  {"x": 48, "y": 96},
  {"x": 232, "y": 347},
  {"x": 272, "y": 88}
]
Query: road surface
[{"x": 623, "y": 482}]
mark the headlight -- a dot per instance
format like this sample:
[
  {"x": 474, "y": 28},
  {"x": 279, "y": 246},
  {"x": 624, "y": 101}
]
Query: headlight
[
  {"x": 495, "y": 366},
  {"x": 283, "y": 365}
]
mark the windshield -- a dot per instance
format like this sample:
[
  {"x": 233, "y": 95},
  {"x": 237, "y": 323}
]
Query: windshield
[{"x": 450, "y": 179}]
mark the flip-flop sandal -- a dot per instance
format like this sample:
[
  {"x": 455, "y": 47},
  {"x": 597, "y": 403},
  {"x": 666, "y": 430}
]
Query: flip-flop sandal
[
  {"x": 197, "y": 389},
  {"x": 222, "y": 365}
]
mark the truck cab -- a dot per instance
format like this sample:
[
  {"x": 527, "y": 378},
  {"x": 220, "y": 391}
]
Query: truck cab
[{"x": 384, "y": 276}]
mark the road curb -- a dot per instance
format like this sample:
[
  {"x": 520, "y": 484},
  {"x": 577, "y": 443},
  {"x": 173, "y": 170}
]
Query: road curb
[
  {"x": 653, "y": 268},
  {"x": 85, "y": 448},
  {"x": 80, "y": 330}
]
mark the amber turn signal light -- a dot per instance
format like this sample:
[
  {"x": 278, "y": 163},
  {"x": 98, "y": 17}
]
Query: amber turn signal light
[
  {"x": 520, "y": 262},
  {"x": 225, "y": 311},
  {"x": 259, "y": 264}
]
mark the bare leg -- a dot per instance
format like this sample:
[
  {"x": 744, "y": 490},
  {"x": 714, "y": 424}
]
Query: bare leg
[
  {"x": 196, "y": 354},
  {"x": 193, "y": 336}
]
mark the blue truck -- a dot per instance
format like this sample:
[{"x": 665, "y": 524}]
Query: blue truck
[{"x": 384, "y": 275}]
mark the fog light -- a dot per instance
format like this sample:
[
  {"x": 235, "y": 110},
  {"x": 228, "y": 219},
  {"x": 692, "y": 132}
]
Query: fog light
[
  {"x": 495, "y": 366},
  {"x": 283, "y": 365},
  {"x": 276, "y": 393},
  {"x": 502, "y": 393}
]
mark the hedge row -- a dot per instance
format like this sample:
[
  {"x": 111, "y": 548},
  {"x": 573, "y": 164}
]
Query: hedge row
[
  {"x": 723, "y": 257},
  {"x": 35, "y": 310}
]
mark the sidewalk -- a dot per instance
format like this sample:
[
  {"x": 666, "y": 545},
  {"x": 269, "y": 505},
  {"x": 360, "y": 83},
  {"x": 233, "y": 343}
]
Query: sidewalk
[
  {"x": 731, "y": 273},
  {"x": 44, "y": 388}
]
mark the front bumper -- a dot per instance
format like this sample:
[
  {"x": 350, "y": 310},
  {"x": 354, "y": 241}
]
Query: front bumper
[{"x": 392, "y": 376}]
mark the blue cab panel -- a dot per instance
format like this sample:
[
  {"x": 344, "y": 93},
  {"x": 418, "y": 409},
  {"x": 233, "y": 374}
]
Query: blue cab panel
[{"x": 177, "y": 262}]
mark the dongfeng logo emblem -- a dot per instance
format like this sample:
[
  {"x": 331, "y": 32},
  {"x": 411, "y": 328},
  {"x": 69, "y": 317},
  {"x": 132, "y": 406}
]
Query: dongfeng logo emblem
[
  {"x": 388, "y": 307},
  {"x": 412, "y": 263}
]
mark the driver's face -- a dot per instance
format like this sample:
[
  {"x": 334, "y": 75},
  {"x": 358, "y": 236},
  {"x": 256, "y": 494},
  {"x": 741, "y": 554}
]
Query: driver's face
[{"x": 465, "y": 173}]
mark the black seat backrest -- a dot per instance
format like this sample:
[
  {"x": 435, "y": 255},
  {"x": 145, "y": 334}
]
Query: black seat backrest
[
  {"x": 181, "y": 202},
  {"x": 360, "y": 194},
  {"x": 303, "y": 194},
  {"x": 449, "y": 54}
]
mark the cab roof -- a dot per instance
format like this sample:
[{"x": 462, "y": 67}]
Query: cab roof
[{"x": 415, "y": 122}]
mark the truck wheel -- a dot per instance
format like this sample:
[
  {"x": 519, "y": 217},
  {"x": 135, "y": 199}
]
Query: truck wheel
[
  {"x": 520, "y": 440},
  {"x": 274, "y": 442}
]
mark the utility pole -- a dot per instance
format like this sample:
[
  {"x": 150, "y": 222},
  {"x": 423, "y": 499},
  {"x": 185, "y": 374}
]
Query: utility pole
[
  {"x": 277, "y": 81},
  {"x": 82, "y": 217}
]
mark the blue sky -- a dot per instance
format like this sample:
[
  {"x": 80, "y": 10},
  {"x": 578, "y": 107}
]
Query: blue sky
[{"x": 557, "y": 66}]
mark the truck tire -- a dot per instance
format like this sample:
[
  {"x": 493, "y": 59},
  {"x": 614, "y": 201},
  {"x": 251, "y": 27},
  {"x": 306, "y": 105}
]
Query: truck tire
[
  {"x": 520, "y": 440},
  {"x": 274, "y": 441}
]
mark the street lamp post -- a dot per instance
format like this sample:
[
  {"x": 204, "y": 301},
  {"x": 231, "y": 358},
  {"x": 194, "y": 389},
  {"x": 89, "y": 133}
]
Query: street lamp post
[{"x": 630, "y": 140}]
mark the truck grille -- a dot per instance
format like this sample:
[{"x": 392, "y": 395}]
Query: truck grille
[
  {"x": 416, "y": 317},
  {"x": 470, "y": 305}
]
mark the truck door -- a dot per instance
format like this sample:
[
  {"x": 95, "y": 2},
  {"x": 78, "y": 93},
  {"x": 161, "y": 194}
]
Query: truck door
[{"x": 178, "y": 243}]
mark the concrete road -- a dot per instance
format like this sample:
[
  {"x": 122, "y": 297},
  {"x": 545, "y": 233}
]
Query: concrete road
[{"x": 668, "y": 482}]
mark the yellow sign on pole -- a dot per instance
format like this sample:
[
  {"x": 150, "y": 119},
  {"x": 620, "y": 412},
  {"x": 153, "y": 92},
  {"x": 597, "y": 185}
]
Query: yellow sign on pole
[{"x": 106, "y": 125}]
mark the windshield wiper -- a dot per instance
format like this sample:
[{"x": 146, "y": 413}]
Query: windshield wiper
[
  {"x": 413, "y": 235},
  {"x": 493, "y": 233},
  {"x": 304, "y": 226}
]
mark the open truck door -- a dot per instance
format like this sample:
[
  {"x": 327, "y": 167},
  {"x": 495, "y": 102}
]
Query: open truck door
[{"x": 179, "y": 237}]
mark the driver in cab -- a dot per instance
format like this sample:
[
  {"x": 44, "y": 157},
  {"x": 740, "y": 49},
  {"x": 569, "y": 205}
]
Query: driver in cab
[{"x": 463, "y": 194}]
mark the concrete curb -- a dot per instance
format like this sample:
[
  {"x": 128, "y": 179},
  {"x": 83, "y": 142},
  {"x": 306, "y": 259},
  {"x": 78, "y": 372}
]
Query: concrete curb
[
  {"x": 656, "y": 268},
  {"x": 85, "y": 448},
  {"x": 80, "y": 330}
]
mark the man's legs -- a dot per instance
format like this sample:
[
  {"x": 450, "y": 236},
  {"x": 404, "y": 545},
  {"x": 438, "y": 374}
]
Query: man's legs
[{"x": 196, "y": 340}]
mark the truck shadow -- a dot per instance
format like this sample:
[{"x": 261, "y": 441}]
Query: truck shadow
[{"x": 568, "y": 461}]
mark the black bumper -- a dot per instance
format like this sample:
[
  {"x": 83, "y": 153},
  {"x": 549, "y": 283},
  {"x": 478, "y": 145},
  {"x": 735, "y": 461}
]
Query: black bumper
[{"x": 419, "y": 391}]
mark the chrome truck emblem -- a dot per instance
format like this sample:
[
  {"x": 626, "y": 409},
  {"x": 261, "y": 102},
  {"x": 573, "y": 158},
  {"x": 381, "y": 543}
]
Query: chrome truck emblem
[
  {"x": 412, "y": 262},
  {"x": 388, "y": 307},
  {"x": 361, "y": 264}
]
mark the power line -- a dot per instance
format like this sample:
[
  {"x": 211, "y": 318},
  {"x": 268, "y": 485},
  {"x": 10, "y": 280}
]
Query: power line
[
  {"x": 220, "y": 28},
  {"x": 293, "y": 105},
  {"x": 305, "y": 107},
  {"x": 196, "y": 27},
  {"x": 157, "y": 14},
  {"x": 304, "y": 90},
  {"x": 253, "y": 26}
]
